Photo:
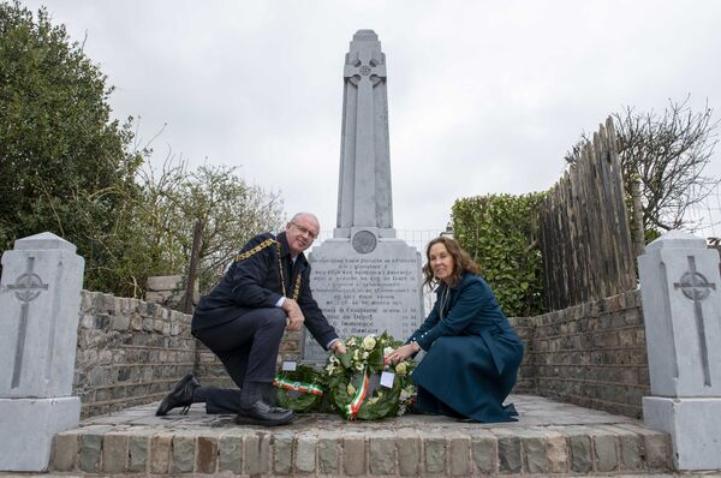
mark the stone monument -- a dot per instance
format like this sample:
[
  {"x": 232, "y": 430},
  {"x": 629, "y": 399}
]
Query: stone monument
[
  {"x": 682, "y": 313},
  {"x": 40, "y": 303},
  {"x": 365, "y": 280}
]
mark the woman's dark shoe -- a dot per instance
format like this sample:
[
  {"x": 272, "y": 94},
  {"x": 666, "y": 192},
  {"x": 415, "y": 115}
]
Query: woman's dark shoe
[
  {"x": 180, "y": 396},
  {"x": 412, "y": 409},
  {"x": 260, "y": 413}
]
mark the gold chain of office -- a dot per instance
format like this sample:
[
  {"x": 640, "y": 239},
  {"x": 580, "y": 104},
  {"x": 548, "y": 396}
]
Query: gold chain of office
[{"x": 264, "y": 245}]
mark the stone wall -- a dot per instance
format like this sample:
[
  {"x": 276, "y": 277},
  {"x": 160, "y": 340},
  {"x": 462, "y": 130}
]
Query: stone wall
[
  {"x": 210, "y": 370},
  {"x": 129, "y": 352},
  {"x": 593, "y": 354},
  {"x": 526, "y": 381}
]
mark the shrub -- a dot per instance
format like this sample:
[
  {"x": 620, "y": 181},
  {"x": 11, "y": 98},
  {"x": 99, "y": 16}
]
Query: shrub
[{"x": 499, "y": 231}]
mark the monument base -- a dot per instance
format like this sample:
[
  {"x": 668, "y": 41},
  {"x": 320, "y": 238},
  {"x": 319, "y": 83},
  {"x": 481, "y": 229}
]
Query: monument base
[
  {"x": 27, "y": 428},
  {"x": 365, "y": 285},
  {"x": 695, "y": 428}
]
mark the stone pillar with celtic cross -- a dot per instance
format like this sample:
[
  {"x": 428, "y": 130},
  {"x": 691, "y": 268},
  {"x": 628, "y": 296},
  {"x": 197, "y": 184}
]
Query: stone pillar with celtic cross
[
  {"x": 680, "y": 290},
  {"x": 364, "y": 192},
  {"x": 42, "y": 279},
  {"x": 365, "y": 279}
]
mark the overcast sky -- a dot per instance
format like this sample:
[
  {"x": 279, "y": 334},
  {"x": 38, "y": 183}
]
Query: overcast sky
[{"x": 484, "y": 97}]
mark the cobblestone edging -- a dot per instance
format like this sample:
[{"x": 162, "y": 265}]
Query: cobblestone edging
[
  {"x": 129, "y": 352},
  {"x": 598, "y": 449}
]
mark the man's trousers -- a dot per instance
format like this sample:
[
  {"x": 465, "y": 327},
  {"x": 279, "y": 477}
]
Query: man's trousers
[{"x": 248, "y": 347}]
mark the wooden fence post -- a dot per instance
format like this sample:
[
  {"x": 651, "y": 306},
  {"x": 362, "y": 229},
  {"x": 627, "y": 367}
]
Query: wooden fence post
[{"x": 193, "y": 268}]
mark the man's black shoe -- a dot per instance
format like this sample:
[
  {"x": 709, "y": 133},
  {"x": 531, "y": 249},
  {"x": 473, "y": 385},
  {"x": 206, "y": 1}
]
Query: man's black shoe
[
  {"x": 260, "y": 413},
  {"x": 180, "y": 396}
]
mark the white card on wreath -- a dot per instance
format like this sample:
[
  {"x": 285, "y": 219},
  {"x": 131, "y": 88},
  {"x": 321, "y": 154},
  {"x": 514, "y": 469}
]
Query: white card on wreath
[
  {"x": 387, "y": 379},
  {"x": 288, "y": 366}
]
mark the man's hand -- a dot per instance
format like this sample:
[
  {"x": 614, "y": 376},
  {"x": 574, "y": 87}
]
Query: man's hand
[
  {"x": 338, "y": 347},
  {"x": 401, "y": 353},
  {"x": 295, "y": 315}
]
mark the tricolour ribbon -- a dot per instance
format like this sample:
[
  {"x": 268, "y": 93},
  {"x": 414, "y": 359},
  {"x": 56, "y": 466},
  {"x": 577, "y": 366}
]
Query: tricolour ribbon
[
  {"x": 300, "y": 387},
  {"x": 351, "y": 410}
]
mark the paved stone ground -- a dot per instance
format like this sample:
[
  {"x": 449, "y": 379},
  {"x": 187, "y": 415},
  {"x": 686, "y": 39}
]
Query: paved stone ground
[
  {"x": 551, "y": 438},
  {"x": 534, "y": 411}
]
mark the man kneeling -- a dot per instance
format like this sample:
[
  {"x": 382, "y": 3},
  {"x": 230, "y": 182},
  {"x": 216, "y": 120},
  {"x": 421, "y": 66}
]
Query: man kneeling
[{"x": 264, "y": 292}]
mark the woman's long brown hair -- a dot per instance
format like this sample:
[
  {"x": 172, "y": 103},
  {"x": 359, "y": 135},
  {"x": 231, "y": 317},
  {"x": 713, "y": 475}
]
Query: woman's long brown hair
[{"x": 462, "y": 261}]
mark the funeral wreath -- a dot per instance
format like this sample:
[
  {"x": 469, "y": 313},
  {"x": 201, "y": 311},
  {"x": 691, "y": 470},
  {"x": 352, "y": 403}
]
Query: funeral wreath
[
  {"x": 358, "y": 384},
  {"x": 362, "y": 386},
  {"x": 300, "y": 390}
]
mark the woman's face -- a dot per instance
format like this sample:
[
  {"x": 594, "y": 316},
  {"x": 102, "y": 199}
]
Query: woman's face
[{"x": 441, "y": 261}]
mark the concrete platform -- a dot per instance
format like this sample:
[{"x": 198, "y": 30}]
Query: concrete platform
[{"x": 551, "y": 438}]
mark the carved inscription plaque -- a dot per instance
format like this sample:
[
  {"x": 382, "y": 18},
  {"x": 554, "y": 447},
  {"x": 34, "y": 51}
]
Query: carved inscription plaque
[{"x": 366, "y": 294}]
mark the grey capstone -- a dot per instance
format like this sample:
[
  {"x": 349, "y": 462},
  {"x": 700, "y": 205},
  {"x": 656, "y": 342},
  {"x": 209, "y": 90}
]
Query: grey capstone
[
  {"x": 305, "y": 454},
  {"x": 90, "y": 447},
  {"x": 581, "y": 458},
  {"x": 606, "y": 454},
  {"x": 183, "y": 454},
  {"x": 138, "y": 451},
  {"x": 509, "y": 455},
  {"x": 435, "y": 451},
  {"x": 230, "y": 450},
  {"x": 382, "y": 456},
  {"x": 283, "y": 453}
]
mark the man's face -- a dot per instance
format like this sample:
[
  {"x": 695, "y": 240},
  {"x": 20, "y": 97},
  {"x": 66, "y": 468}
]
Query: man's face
[{"x": 301, "y": 232}]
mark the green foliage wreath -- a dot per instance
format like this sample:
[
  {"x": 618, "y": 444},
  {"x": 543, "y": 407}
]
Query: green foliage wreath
[
  {"x": 352, "y": 376},
  {"x": 301, "y": 390}
]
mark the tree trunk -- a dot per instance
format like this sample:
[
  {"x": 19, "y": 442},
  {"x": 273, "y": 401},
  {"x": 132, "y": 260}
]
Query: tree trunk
[{"x": 193, "y": 269}]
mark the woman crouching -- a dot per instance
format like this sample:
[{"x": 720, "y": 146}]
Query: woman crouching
[{"x": 472, "y": 352}]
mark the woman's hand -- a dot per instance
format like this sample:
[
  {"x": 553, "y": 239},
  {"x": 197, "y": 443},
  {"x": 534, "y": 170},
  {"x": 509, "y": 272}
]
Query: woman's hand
[{"x": 402, "y": 353}]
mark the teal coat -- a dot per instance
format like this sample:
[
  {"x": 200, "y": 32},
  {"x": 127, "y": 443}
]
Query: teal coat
[{"x": 472, "y": 354}]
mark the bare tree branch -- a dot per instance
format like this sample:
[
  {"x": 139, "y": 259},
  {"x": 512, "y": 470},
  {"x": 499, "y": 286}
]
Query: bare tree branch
[{"x": 668, "y": 154}]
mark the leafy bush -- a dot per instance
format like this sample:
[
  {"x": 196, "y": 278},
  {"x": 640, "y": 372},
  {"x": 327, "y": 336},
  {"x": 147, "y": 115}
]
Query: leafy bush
[{"x": 499, "y": 231}]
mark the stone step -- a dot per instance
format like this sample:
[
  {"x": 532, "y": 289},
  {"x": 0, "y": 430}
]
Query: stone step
[{"x": 551, "y": 438}]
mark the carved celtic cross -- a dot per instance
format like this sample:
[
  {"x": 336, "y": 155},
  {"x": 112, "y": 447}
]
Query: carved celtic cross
[
  {"x": 367, "y": 66},
  {"x": 697, "y": 288},
  {"x": 27, "y": 288}
]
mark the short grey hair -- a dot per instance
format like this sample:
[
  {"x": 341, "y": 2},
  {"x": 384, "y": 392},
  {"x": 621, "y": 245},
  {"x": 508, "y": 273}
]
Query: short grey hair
[{"x": 303, "y": 213}]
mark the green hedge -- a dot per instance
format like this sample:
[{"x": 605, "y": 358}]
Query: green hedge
[{"x": 499, "y": 231}]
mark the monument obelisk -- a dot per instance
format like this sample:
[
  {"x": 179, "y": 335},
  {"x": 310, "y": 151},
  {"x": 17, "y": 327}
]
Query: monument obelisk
[{"x": 365, "y": 280}]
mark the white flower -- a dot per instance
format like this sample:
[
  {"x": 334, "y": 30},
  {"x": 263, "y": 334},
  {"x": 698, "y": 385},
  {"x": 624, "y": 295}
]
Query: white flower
[
  {"x": 401, "y": 369},
  {"x": 387, "y": 351},
  {"x": 330, "y": 368},
  {"x": 369, "y": 342},
  {"x": 334, "y": 360},
  {"x": 356, "y": 355},
  {"x": 351, "y": 342},
  {"x": 359, "y": 366},
  {"x": 364, "y": 355},
  {"x": 350, "y": 389}
]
